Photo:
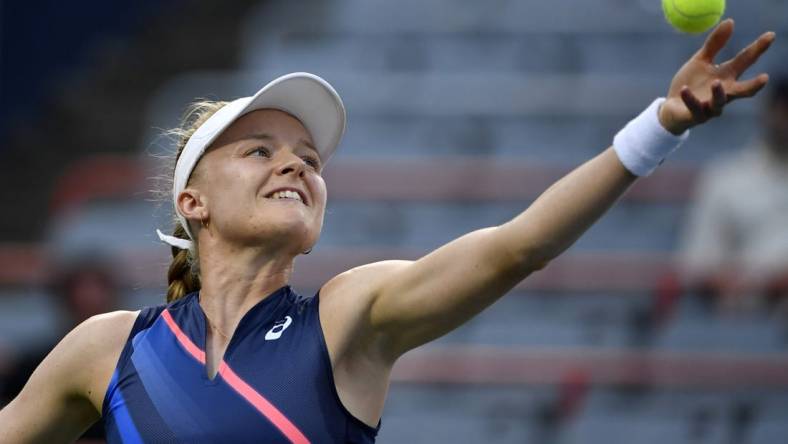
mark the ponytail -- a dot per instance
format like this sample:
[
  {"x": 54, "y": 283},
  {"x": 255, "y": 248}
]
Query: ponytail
[{"x": 182, "y": 277}]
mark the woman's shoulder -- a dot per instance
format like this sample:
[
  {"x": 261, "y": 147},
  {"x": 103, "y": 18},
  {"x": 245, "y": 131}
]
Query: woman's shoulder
[
  {"x": 100, "y": 339},
  {"x": 81, "y": 364},
  {"x": 362, "y": 279},
  {"x": 346, "y": 301},
  {"x": 352, "y": 292},
  {"x": 101, "y": 331}
]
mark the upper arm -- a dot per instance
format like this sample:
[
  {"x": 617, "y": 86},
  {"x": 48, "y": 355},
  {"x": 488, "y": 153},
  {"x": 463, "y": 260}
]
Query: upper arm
[
  {"x": 422, "y": 300},
  {"x": 63, "y": 396},
  {"x": 393, "y": 306}
]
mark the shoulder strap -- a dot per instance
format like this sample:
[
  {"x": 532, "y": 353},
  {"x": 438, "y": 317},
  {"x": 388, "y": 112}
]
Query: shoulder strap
[{"x": 145, "y": 318}]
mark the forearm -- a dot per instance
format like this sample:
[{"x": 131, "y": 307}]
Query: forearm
[{"x": 567, "y": 209}]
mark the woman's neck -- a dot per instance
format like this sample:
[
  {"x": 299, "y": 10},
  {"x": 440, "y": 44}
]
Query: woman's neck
[{"x": 234, "y": 280}]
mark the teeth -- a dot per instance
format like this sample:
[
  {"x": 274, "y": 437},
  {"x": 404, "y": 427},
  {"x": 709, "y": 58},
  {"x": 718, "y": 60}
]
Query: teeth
[{"x": 287, "y": 194}]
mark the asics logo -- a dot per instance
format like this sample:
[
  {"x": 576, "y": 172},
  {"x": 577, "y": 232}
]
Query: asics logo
[{"x": 276, "y": 331}]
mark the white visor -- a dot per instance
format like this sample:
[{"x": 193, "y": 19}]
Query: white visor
[{"x": 307, "y": 97}]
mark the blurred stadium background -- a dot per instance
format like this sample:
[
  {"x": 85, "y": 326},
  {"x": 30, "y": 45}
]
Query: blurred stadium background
[{"x": 460, "y": 113}]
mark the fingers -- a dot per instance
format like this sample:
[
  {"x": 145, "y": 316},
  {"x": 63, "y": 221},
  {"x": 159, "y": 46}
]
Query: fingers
[
  {"x": 749, "y": 55},
  {"x": 718, "y": 99},
  {"x": 694, "y": 105},
  {"x": 704, "y": 110},
  {"x": 716, "y": 41},
  {"x": 748, "y": 88}
]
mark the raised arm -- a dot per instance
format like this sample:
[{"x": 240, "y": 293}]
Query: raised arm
[
  {"x": 64, "y": 394},
  {"x": 412, "y": 303}
]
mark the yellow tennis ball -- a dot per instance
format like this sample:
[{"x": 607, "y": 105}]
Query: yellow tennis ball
[{"x": 693, "y": 16}]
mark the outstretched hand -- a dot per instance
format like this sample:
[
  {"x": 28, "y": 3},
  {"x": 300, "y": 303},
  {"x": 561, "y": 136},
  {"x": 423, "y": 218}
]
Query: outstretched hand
[{"x": 701, "y": 89}]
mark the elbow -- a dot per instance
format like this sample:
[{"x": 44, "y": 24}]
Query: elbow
[
  {"x": 531, "y": 258},
  {"x": 538, "y": 265},
  {"x": 526, "y": 254},
  {"x": 536, "y": 259}
]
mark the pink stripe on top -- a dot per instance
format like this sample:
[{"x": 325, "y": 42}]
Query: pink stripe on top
[
  {"x": 262, "y": 405},
  {"x": 246, "y": 391},
  {"x": 182, "y": 338}
]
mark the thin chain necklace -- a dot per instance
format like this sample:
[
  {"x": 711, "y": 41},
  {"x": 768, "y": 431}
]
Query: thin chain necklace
[{"x": 214, "y": 327}]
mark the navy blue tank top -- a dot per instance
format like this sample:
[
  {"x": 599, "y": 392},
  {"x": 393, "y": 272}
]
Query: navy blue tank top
[{"x": 274, "y": 385}]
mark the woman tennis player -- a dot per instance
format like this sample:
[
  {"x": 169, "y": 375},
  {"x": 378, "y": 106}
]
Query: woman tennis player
[{"x": 237, "y": 356}]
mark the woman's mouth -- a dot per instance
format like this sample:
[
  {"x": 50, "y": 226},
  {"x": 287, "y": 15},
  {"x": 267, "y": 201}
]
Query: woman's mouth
[{"x": 287, "y": 195}]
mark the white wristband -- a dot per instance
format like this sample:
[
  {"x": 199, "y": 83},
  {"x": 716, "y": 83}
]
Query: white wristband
[{"x": 643, "y": 144}]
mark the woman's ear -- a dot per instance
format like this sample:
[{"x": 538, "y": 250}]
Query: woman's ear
[{"x": 192, "y": 205}]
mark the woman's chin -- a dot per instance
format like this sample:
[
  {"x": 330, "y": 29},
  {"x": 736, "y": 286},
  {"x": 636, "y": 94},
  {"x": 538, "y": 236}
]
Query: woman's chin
[{"x": 293, "y": 225}]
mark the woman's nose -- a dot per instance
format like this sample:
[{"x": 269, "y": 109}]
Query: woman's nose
[{"x": 292, "y": 165}]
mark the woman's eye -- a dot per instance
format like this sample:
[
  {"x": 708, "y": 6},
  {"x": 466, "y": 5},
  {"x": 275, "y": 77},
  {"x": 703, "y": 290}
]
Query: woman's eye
[
  {"x": 311, "y": 161},
  {"x": 260, "y": 152}
]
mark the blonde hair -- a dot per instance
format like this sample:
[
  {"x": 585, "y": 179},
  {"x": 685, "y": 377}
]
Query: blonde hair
[{"x": 183, "y": 276}]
